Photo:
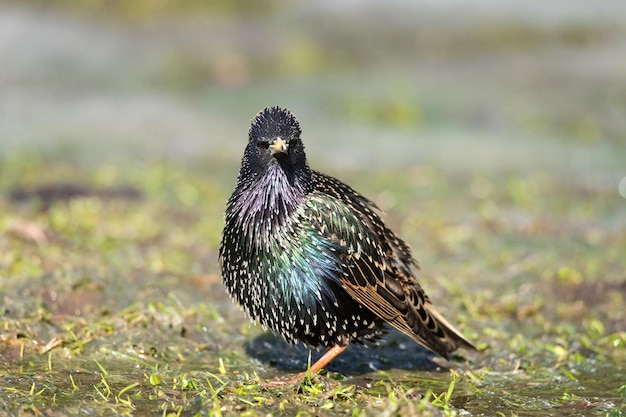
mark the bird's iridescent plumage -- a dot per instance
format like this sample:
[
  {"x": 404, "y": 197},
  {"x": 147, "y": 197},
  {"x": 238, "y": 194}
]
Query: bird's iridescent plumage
[{"x": 310, "y": 258}]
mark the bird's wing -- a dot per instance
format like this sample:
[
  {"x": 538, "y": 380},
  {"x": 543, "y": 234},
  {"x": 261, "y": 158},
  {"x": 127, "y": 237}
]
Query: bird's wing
[
  {"x": 395, "y": 249},
  {"x": 375, "y": 271}
]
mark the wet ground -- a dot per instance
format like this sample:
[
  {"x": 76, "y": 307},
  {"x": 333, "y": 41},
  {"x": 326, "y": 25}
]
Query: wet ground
[{"x": 493, "y": 140}]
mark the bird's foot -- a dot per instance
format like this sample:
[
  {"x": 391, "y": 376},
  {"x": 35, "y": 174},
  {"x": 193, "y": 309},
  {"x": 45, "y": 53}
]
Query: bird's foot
[
  {"x": 312, "y": 371},
  {"x": 284, "y": 382}
]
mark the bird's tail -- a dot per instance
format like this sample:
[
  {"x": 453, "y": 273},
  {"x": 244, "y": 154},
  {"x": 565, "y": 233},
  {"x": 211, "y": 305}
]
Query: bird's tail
[
  {"x": 449, "y": 338},
  {"x": 430, "y": 328}
]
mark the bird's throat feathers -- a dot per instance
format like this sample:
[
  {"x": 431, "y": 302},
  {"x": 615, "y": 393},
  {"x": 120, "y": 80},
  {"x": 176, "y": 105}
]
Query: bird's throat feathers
[{"x": 261, "y": 203}]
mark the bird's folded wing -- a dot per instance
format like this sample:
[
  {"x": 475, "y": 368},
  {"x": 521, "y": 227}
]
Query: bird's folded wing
[{"x": 373, "y": 278}]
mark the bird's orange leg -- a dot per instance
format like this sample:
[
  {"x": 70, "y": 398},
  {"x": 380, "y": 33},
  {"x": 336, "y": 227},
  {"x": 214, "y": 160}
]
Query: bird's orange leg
[{"x": 315, "y": 368}]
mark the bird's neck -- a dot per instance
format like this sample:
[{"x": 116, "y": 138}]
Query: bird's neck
[{"x": 268, "y": 200}]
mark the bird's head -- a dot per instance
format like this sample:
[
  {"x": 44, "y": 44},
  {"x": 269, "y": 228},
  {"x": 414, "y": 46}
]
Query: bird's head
[{"x": 274, "y": 140}]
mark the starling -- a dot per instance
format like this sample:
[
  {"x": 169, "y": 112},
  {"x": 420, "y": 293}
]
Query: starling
[{"x": 309, "y": 257}]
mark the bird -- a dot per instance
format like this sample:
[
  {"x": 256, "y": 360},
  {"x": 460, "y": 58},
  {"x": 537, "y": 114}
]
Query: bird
[{"x": 311, "y": 259}]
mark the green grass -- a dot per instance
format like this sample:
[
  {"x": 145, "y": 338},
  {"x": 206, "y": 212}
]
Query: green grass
[{"x": 119, "y": 308}]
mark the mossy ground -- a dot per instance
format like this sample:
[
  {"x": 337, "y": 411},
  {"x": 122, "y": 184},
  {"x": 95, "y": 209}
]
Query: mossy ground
[
  {"x": 114, "y": 305},
  {"x": 494, "y": 146}
]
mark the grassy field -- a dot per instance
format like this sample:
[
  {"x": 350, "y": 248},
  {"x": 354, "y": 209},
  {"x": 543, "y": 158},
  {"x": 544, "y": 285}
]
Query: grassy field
[{"x": 494, "y": 145}]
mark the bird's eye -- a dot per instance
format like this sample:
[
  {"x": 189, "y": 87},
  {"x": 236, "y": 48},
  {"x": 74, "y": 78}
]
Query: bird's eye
[{"x": 263, "y": 144}]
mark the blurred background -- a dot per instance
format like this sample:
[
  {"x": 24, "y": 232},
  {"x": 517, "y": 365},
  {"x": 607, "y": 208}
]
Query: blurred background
[
  {"x": 463, "y": 85},
  {"x": 491, "y": 134}
]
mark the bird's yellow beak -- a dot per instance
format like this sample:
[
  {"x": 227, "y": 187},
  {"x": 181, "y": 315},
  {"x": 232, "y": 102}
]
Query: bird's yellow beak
[{"x": 278, "y": 146}]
